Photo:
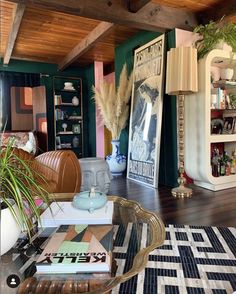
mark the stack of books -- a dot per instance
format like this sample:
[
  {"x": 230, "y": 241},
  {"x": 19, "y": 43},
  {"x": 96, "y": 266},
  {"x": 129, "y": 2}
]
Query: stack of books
[{"x": 77, "y": 249}]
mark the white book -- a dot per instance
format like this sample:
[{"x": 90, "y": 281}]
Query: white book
[{"x": 63, "y": 213}]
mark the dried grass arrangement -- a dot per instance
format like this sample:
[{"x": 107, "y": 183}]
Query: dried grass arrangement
[{"x": 113, "y": 103}]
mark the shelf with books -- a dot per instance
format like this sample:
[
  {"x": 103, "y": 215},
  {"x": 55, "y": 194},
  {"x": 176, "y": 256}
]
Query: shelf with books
[
  {"x": 210, "y": 121},
  {"x": 68, "y": 111}
]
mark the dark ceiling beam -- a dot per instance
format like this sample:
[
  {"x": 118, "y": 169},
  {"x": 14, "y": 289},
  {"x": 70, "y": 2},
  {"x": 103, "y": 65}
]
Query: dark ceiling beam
[
  {"x": 91, "y": 39},
  {"x": 17, "y": 17},
  {"x": 135, "y": 5},
  {"x": 220, "y": 9},
  {"x": 151, "y": 17}
]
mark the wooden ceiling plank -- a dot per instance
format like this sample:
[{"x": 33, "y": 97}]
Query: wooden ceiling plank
[
  {"x": 17, "y": 18},
  {"x": 153, "y": 17},
  {"x": 135, "y": 5},
  {"x": 220, "y": 9},
  {"x": 93, "y": 37}
]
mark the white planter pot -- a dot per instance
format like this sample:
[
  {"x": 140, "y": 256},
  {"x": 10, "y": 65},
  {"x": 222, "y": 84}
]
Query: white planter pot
[
  {"x": 10, "y": 230},
  {"x": 116, "y": 161}
]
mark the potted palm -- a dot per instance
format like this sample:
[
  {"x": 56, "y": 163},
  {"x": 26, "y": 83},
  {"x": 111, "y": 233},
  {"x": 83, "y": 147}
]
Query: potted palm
[
  {"x": 19, "y": 188},
  {"x": 212, "y": 34},
  {"x": 114, "y": 110}
]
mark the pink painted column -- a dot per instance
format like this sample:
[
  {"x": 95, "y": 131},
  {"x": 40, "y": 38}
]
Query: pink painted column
[{"x": 98, "y": 72}]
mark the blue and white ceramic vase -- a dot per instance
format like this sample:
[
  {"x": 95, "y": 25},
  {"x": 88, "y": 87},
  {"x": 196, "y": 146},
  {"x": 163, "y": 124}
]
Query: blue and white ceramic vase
[{"x": 116, "y": 161}]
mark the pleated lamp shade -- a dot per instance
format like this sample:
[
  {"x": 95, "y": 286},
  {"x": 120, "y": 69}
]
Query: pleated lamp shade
[{"x": 181, "y": 71}]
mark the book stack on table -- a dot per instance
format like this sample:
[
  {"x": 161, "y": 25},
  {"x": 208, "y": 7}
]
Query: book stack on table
[
  {"x": 64, "y": 213},
  {"x": 82, "y": 242},
  {"x": 77, "y": 249}
]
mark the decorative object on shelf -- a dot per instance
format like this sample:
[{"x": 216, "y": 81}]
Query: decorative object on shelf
[
  {"x": 228, "y": 125},
  {"x": 65, "y": 114},
  {"x": 213, "y": 33},
  {"x": 68, "y": 86},
  {"x": 113, "y": 105},
  {"x": 75, "y": 142},
  {"x": 76, "y": 128},
  {"x": 215, "y": 73},
  {"x": 226, "y": 73},
  {"x": 19, "y": 188},
  {"x": 232, "y": 98},
  {"x": 95, "y": 173},
  {"x": 181, "y": 79},
  {"x": 89, "y": 200},
  {"x": 58, "y": 142},
  {"x": 64, "y": 125},
  {"x": 217, "y": 125},
  {"x": 75, "y": 101},
  {"x": 57, "y": 99}
]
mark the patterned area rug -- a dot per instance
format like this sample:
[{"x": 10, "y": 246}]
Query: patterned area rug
[{"x": 193, "y": 260}]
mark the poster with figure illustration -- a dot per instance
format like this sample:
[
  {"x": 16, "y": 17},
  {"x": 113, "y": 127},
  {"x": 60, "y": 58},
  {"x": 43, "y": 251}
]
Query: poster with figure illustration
[{"x": 146, "y": 113}]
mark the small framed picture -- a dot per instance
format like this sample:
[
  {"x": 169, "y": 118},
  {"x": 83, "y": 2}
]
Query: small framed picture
[
  {"x": 76, "y": 129},
  {"x": 228, "y": 125}
]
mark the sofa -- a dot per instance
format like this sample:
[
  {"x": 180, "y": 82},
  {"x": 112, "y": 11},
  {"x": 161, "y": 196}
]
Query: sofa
[{"x": 60, "y": 168}]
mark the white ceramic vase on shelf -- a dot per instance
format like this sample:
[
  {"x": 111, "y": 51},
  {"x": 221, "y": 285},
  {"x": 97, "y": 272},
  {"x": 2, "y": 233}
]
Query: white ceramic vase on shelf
[
  {"x": 75, "y": 101},
  {"x": 116, "y": 161},
  {"x": 226, "y": 73}
]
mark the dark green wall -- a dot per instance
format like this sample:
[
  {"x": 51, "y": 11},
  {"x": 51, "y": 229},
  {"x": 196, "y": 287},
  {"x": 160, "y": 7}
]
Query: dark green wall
[
  {"x": 168, "y": 153},
  {"x": 89, "y": 113}
]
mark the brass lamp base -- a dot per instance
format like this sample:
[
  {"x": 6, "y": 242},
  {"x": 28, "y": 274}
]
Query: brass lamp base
[{"x": 182, "y": 191}]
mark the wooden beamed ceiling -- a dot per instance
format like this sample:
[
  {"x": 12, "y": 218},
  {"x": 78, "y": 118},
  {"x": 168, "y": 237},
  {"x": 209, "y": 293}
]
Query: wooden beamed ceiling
[{"x": 81, "y": 32}]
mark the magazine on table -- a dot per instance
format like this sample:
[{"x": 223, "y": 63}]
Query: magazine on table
[{"x": 77, "y": 249}]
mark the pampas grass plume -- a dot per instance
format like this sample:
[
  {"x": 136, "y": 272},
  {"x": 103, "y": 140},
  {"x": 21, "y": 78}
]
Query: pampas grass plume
[{"x": 114, "y": 104}]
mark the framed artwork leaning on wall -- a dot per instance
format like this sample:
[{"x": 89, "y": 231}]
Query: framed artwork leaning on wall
[{"x": 146, "y": 112}]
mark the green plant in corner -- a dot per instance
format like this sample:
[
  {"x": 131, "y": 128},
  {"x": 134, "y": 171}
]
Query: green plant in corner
[
  {"x": 213, "y": 33},
  {"x": 20, "y": 182}
]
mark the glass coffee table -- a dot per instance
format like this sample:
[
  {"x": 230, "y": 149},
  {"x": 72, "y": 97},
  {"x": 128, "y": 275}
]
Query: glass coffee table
[{"x": 136, "y": 233}]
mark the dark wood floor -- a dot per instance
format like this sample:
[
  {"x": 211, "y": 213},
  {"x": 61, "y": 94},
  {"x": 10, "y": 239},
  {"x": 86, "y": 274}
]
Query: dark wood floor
[{"x": 206, "y": 207}]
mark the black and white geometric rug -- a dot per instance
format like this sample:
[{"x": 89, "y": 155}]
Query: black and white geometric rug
[{"x": 193, "y": 260}]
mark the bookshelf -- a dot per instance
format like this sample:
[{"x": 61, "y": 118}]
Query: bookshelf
[
  {"x": 206, "y": 115},
  {"x": 68, "y": 114}
]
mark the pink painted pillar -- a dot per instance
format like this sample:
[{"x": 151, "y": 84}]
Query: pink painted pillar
[{"x": 100, "y": 142}]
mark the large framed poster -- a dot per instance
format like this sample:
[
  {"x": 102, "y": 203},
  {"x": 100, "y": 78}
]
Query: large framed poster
[{"x": 146, "y": 113}]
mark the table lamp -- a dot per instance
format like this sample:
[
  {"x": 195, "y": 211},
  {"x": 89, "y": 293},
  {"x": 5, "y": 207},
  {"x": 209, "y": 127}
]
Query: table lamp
[{"x": 181, "y": 79}]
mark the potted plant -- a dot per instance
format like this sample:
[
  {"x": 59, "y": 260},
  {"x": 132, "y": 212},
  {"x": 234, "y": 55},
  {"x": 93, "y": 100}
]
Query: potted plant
[
  {"x": 19, "y": 189},
  {"x": 114, "y": 109},
  {"x": 212, "y": 34}
]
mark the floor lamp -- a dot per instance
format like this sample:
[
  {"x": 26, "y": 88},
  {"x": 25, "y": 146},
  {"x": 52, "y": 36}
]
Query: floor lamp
[{"x": 181, "y": 80}]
